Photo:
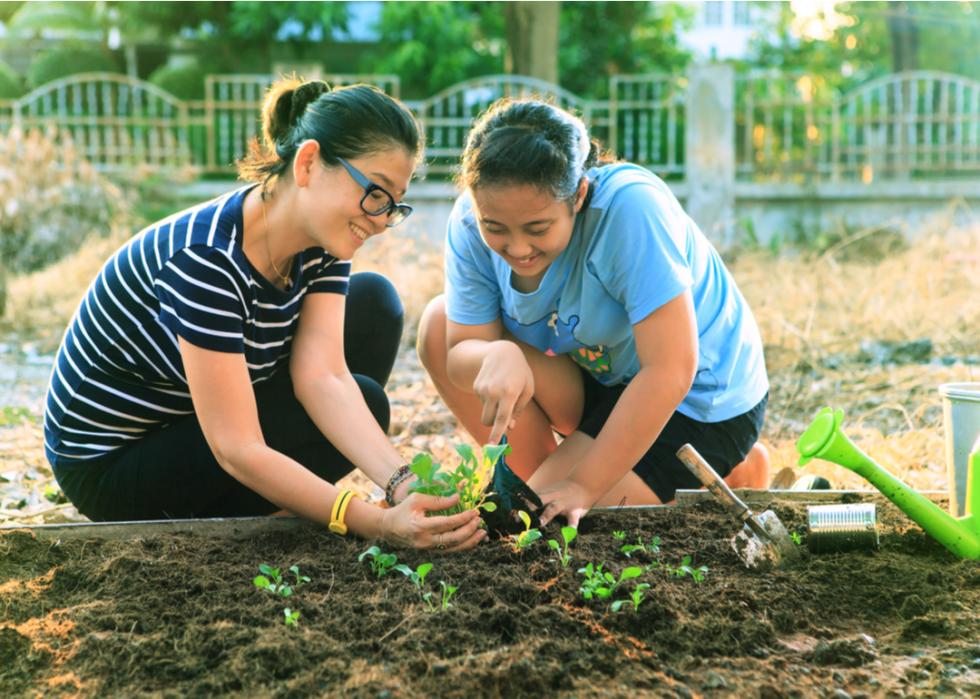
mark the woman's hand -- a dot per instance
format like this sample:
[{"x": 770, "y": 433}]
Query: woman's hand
[
  {"x": 504, "y": 385},
  {"x": 566, "y": 498},
  {"x": 407, "y": 525}
]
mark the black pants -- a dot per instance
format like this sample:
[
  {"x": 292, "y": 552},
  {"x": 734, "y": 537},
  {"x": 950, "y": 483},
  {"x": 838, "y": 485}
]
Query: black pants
[
  {"x": 172, "y": 474},
  {"x": 723, "y": 444}
]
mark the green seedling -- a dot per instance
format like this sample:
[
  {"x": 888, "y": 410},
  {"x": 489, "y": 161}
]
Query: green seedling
[
  {"x": 417, "y": 576},
  {"x": 272, "y": 581},
  {"x": 470, "y": 478},
  {"x": 685, "y": 568},
  {"x": 522, "y": 541},
  {"x": 653, "y": 547},
  {"x": 383, "y": 563},
  {"x": 601, "y": 584},
  {"x": 290, "y": 618},
  {"x": 797, "y": 539},
  {"x": 568, "y": 535},
  {"x": 447, "y": 594},
  {"x": 619, "y": 534},
  {"x": 635, "y": 598}
]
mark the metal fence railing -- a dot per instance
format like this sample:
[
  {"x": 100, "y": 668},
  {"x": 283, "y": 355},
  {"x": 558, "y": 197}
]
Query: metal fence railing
[{"x": 788, "y": 127}]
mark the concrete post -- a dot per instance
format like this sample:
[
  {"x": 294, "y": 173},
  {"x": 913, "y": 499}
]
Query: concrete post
[{"x": 710, "y": 148}]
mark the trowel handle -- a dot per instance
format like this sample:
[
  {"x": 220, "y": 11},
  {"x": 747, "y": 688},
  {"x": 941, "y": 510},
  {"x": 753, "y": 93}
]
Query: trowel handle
[{"x": 711, "y": 480}]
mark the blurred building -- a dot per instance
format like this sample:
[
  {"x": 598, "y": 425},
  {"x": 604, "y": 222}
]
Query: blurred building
[{"x": 723, "y": 29}]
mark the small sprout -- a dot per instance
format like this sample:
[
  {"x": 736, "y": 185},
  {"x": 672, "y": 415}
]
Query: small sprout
[
  {"x": 470, "y": 478},
  {"x": 300, "y": 579},
  {"x": 653, "y": 547},
  {"x": 291, "y": 618},
  {"x": 272, "y": 581},
  {"x": 619, "y": 534},
  {"x": 383, "y": 563},
  {"x": 797, "y": 539},
  {"x": 698, "y": 574},
  {"x": 568, "y": 535},
  {"x": 635, "y": 598},
  {"x": 527, "y": 537},
  {"x": 417, "y": 576},
  {"x": 447, "y": 593},
  {"x": 601, "y": 584}
]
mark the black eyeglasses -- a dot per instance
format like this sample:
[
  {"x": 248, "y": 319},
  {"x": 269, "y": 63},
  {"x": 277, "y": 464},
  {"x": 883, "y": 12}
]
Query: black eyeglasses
[{"x": 376, "y": 199}]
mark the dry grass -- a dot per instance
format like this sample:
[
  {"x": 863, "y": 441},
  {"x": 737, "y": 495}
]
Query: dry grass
[{"x": 810, "y": 308}]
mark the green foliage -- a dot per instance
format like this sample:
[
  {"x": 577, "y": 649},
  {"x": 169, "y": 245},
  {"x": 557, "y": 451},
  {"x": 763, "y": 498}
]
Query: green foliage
[
  {"x": 11, "y": 85},
  {"x": 68, "y": 59},
  {"x": 383, "y": 563},
  {"x": 797, "y": 539},
  {"x": 432, "y": 45},
  {"x": 522, "y": 541},
  {"x": 470, "y": 478},
  {"x": 635, "y": 598},
  {"x": 14, "y": 415},
  {"x": 685, "y": 569},
  {"x": 601, "y": 584},
  {"x": 290, "y": 618},
  {"x": 273, "y": 580},
  {"x": 652, "y": 547},
  {"x": 568, "y": 535},
  {"x": 185, "y": 82}
]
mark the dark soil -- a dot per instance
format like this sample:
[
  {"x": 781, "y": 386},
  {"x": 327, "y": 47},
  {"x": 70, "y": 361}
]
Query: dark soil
[{"x": 179, "y": 616}]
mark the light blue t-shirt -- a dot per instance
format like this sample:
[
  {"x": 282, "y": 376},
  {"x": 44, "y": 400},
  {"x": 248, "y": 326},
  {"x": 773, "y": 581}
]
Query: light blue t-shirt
[{"x": 632, "y": 249}]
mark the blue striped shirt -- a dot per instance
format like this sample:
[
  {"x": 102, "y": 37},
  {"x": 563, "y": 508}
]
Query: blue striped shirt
[{"x": 119, "y": 373}]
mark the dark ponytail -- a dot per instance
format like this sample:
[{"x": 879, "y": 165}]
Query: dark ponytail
[{"x": 348, "y": 122}]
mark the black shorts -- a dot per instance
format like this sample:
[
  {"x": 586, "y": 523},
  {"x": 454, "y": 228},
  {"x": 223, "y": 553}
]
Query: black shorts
[{"x": 723, "y": 444}]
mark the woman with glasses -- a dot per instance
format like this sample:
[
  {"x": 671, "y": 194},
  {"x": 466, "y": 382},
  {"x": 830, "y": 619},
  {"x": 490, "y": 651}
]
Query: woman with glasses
[
  {"x": 582, "y": 300},
  {"x": 224, "y": 362}
]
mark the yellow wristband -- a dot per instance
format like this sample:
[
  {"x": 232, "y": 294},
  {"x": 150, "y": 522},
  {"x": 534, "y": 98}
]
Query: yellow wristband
[{"x": 339, "y": 512}]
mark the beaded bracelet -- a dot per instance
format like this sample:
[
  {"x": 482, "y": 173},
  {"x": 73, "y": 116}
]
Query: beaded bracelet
[{"x": 396, "y": 479}]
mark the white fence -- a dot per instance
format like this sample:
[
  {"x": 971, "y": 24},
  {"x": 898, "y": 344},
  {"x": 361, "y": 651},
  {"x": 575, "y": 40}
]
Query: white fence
[{"x": 788, "y": 128}]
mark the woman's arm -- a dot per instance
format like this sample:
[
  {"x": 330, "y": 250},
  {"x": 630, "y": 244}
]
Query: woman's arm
[
  {"x": 667, "y": 347},
  {"x": 481, "y": 362}
]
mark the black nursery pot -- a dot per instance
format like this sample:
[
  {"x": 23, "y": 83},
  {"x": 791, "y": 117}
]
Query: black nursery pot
[{"x": 510, "y": 494}]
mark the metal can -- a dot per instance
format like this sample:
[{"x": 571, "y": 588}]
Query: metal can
[{"x": 842, "y": 527}]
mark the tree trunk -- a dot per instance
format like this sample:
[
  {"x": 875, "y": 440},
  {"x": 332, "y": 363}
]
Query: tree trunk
[
  {"x": 532, "y": 39},
  {"x": 904, "y": 35}
]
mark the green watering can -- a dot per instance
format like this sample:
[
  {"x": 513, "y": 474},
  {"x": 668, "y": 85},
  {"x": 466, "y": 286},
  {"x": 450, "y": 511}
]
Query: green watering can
[{"x": 823, "y": 439}]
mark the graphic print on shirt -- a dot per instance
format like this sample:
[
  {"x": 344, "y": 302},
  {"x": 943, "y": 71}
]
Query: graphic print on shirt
[{"x": 553, "y": 337}]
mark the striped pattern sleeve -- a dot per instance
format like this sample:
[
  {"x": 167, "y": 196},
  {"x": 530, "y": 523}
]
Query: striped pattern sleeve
[
  {"x": 328, "y": 275},
  {"x": 202, "y": 295}
]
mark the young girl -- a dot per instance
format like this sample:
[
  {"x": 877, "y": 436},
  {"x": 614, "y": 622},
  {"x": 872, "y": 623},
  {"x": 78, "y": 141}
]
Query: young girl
[
  {"x": 581, "y": 299},
  {"x": 223, "y": 362}
]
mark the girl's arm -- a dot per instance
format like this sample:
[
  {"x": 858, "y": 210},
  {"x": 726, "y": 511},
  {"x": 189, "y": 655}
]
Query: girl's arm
[
  {"x": 667, "y": 346},
  {"x": 480, "y": 361}
]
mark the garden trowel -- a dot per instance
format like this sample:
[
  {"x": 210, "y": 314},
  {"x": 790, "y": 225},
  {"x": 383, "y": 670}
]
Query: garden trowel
[
  {"x": 763, "y": 541},
  {"x": 510, "y": 494}
]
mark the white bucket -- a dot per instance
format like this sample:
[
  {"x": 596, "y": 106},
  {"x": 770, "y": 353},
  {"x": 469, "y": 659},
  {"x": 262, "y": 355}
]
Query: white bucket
[{"x": 961, "y": 421}]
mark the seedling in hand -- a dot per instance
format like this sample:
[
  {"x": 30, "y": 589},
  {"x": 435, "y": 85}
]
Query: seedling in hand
[
  {"x": 527, "y": 537},
  {"x": 470, "y": 478},
  {"x": 636, "y": 597},
  {"x": 272, "y": 581},
  {"x": 383, "y": 563},
  {"x": 568, "y": 535},
  {"x": 290, "y": 618}
]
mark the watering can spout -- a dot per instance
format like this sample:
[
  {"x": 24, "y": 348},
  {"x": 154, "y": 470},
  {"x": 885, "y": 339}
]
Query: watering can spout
[{"x": 824, "y": 439}]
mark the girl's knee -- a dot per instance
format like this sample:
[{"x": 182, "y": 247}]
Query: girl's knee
[
  {"x": 431, "y": 344},
  {"x": 374, "y": 296},
  {"x": 376, "y": 399}
]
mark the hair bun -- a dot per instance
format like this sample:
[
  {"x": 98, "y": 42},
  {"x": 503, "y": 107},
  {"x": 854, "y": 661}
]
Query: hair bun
[{"x": 302, "y": 96}]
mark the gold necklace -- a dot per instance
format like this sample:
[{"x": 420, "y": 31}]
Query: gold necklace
[{"x": 283, "y": 278}]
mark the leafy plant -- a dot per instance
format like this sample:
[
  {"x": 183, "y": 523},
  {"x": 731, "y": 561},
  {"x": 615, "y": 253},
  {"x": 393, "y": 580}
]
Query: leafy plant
[
  {"x": 417, "y": 576},
  {"x": 601, "y": 584},
  {"x": 470, "y": 478},
  {"x": 291, "y": 618},
  {"x": 797, "y": 539},
  {"x": 447, "y": 594},
  {"x": 568, "y": 535},
  {"x": 272, "y": 580},
  {"x": 635, "y": 598},
  {"x": 523, "y": 540},
  {"x": 653, "y": 547},
  {"x": 685, "y": 568},
  {"x": 383, "y": 563},
  {"x": 619, "y": 534}
]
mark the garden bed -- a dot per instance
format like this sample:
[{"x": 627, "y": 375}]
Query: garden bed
[{"x": 178, "y": 614}]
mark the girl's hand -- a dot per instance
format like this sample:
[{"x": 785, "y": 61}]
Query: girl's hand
[
  {"x": 407, "y": 525},
  {"x": 566, "y": 498},
  {"x": 504, "y": 385}
]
